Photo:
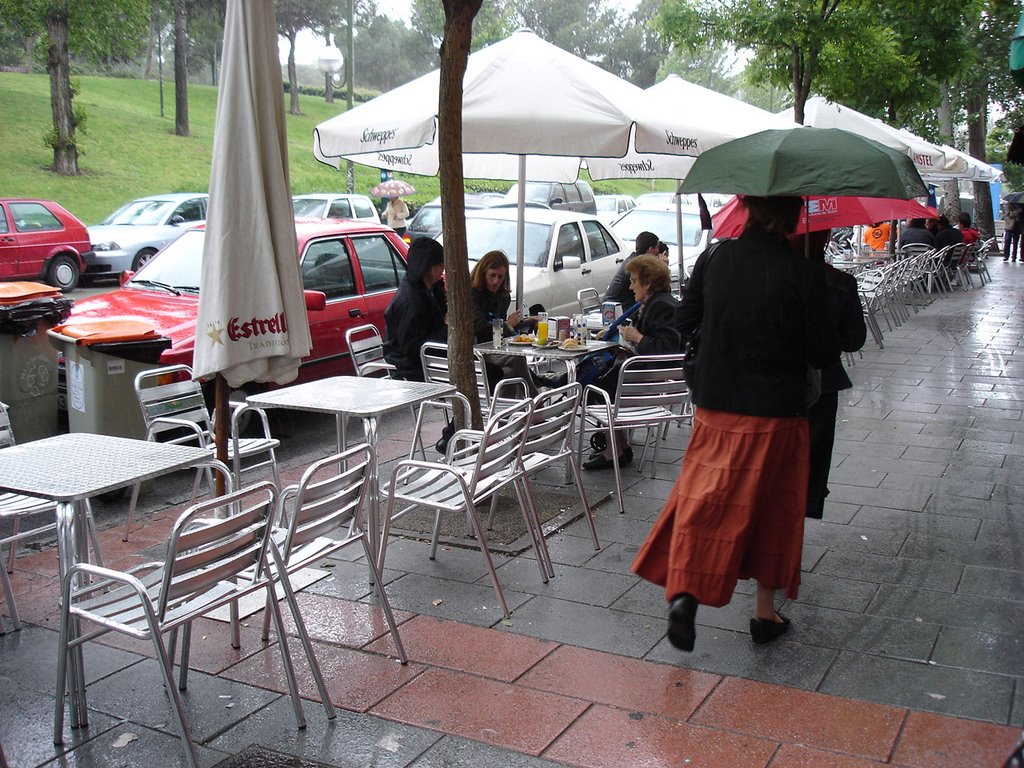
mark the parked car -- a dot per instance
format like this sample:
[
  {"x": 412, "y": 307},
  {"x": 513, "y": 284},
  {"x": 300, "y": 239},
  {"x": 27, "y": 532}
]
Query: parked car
[
  {"x": 40, "y": 240},
  {"x": 610, "y": 207},
  {"x": 427, "y": 221},
  {"x": 329, "y": 206},
  {"x": 578, "y": 196},
  {"x": 563, "y": 252},
  {"x": 661, "y": 220},
  {"x": 131, "y": 235},
  {"x": 357, "y": 265}
]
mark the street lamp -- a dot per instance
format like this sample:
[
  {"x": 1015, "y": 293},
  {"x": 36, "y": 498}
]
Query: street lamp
[{"x": 331, "y": 61}]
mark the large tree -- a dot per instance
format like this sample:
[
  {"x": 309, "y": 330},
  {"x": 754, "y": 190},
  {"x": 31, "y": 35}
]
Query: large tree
[
  {"x": 97, "y": 28},
  {"x": 455, "y": 47},
  {"x": 180, "y": 68},
  {"x": 638, "y": 50},
  {"x": 293, "y": 16}
]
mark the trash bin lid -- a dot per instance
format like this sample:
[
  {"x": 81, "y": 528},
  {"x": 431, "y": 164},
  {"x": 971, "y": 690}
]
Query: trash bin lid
[
  {"x": 105, "y": 330},
  {"x": 19, "y": 292}
]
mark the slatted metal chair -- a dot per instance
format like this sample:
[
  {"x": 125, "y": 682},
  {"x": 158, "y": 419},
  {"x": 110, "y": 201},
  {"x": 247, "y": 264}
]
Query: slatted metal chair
[
  {"x": 366, "y": 348},
  {"x": 589, "y": 300},
  {"x": 651, "y": 392},
  {"x": 219, "y": 551},
  {"x": 16, "y": 507},
  {"x": 174, "y": 410},
  {"x": 479, "y": 464},
  {"x": 322, "y": 513}
]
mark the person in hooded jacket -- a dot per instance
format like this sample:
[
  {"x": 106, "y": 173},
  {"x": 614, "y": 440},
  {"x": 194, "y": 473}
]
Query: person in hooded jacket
[{"x": 418, "y": 311}]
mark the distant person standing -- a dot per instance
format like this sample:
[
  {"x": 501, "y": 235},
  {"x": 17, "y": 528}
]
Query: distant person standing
[
  {"x": 397, "y": 212},
  {"x": 1011, "y": 231}
]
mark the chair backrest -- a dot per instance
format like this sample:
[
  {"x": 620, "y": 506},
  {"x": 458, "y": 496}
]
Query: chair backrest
[
  {"x": 651, "y": 381},
  {"x": 171, "y": 393},
  {"x": 913, "y": 249},
  {"x": 589, "y": 299},
  {"x": 216, "y": 542},
  {"x": 328, "y": 499},
  {"x": 502, "y": 443},
  {"x": 366, "y": 347},
  {"x": 551, "y": 428},
  {"x": 434, "y": 358},
  {"x": 6, "y": 432}
]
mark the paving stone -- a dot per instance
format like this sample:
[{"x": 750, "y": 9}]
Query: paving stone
[
  {"x": 980, "y": 650},
  {"x": 471, "y": 603},
  {"x": 130, "y": 745},
  {"x": 920, "y": 523},
  {"x": 577, "y": 584},
  {"x": 971, "y": 611},
  {"x": 850, "y": 537},
  {"x": 831, "y": 592},
  {"x": 456, "y": 752},
  {"x": 984, "y": 553},
  {"x": 452, "y": 563},
  {"x": 992, "y": 582},
  {"x": 977, "y": 508},
  {"x": 863, "y": 566},
  {"x": 927, "y": 687},
  {"x": 881, "y": 636}
]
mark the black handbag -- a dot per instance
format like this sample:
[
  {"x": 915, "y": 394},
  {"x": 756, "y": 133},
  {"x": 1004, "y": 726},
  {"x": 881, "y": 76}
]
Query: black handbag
[{"x": 690, "y": 347}]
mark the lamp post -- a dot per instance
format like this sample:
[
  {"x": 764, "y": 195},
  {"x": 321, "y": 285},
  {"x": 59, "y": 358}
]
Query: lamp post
[{"x": 331, "y": 62}]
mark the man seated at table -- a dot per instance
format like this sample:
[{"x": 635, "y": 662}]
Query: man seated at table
[
  {"x": 877, "y": 236},
  {"x": 418, "y": 312},
  {"x": 618, "y": 289},
  {"x": 916, "y": 233}
]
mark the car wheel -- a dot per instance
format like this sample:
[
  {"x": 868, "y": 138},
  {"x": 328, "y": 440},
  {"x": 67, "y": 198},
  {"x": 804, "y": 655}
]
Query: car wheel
[
  {"x": 63, "y": 272},
  {"x": 142, "y": 258}
]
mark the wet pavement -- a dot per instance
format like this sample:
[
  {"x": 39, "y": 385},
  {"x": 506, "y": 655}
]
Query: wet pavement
[{"x": 906, "y": 647}]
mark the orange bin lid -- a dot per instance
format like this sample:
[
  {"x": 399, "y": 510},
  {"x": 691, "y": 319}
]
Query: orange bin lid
[
  {"x": 19, "y": 292},
  {"x": 104, "y": 331}
]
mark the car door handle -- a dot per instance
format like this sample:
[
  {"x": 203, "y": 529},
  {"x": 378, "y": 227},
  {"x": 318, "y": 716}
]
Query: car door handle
[
  {"x": 7, "y": 239},
  {"x": 355, "y": 312},
  {"x": 619, "y": 261},
  {"x": 586, "y": 271}
]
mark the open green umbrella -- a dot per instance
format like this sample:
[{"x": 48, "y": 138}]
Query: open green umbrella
[{"x": 805, "y": 161}]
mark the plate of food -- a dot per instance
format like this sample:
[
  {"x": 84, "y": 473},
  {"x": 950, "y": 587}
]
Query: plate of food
[
  {"x": 522, "y": 340},
  {"x": 546, "y": 344}
]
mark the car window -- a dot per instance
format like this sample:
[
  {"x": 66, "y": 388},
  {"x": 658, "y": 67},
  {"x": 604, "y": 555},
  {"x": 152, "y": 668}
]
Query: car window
[
  {"x": 190, "y": 210},
  {"x": 380, "y": 264},
  {"x": 308, "y": 207},
  {"x": 569, "y": 244},
  {"x": 326, "y": 267},
  {"x": 364, "y": 208},
  {"x": 340, "y": 209},
  {"x": 661, "y": 223},
  {"x": 34, "y": 217},
  {"x": 483, "y": 235},
  {"x": 179, "y": 264},
  {"x": 4, "y": 226},
  {"x": 601, "y": 242},
  {"x": 572, "y": 195},
  {"x": 427, "y": 220}
]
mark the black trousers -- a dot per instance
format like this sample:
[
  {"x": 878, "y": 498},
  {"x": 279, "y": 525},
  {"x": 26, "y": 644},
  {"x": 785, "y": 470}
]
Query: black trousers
[{"x": 822, "y": 421}]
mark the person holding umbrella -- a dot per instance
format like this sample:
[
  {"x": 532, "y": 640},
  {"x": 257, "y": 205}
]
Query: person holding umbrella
[
  {"x": 397, "y": 212},
  {"x": 737, "y": 510}
]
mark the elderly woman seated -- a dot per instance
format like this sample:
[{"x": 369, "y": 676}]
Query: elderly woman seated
[{"x": 653, "y": 332}]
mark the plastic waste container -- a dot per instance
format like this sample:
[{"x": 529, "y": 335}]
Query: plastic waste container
[
  {"x": 101, "y": 360},
  {"x": 28, "y": 364}
]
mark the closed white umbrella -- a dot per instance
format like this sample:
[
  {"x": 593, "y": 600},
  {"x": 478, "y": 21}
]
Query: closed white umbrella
[{"x": 252, "y": 323}]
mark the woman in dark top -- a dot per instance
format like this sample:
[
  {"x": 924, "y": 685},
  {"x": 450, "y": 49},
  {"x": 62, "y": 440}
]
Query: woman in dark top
[
  {"x": 737, "y": 509},
  {"x": 418, "y": 310},
  {"x": 653, "y": 332}
]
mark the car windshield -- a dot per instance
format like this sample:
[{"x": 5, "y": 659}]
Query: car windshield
[
  {"x": 176, "y": 266},
  {"x": 661, "y": 223},
  {"x": 427, "y": 220},
  {"x": 536, "y": 192},
  {"x": 141, "y": 213},
  {"x": 308, "y": 207},
  {"x": 483, "y": 235},
  {"x": 605, "y": 203}
]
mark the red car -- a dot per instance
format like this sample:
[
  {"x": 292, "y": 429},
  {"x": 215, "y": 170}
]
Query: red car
[
  {"x": 39, "y": 240},
  {"x": 356, "y": 264}
]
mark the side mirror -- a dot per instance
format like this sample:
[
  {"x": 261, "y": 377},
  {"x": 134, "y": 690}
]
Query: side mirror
[
  {"x": 568, "y": 262},
  {"x": 556, "y": 201},
  {"x": 177, "y": 219},
  {"x": 316, "y": 301}
]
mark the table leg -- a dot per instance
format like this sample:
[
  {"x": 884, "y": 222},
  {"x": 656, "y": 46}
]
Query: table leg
[
  {"x": 72, "y": 543},
  {"x": 373, "y": 503},
  {"x": 341, "y": 425}
]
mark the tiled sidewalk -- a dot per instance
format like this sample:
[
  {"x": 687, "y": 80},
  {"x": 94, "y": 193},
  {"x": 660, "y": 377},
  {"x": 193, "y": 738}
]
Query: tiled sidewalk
[{"x": 906, "y": 647}]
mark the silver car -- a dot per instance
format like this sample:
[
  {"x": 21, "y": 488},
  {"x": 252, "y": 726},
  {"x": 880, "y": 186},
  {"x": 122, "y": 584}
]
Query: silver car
[
  {"x": 335, "y": 206},
  {"x": 131, "y": 235}
]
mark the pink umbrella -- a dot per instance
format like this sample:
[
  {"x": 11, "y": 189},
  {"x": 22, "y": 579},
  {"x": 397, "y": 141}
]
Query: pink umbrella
[
  {"x": 825, "y": 212},
  {"x": 393, "y": 188}
]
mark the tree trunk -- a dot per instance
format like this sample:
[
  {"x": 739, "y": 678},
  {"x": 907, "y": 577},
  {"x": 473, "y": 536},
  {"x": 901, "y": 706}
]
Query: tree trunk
[
  {"x": 180, "y": 69},
  {"x": 458, "y": 34},
  {"x": 977, "y": 118},
  {"x": 293, "y": 76},
  {"x": 799, "y": 102},
  {"x": 147, "y": 64},
  {"x": 65, "y": 151},
  {"x": 951, "y": 188}
]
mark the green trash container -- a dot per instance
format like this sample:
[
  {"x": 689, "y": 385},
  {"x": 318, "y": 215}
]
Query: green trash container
[
  {"x": 28, "y": 364},
  {"x": 100, "y": 381}
]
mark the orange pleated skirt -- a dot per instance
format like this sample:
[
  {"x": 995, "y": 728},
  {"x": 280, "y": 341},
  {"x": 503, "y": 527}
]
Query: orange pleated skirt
[{"x": 736, "y": 511}]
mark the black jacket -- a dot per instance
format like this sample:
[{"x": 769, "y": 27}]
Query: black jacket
[
  {"x": 618, "y": 289},
  {"x": 916, "y": 235},
  {"x": 415, "y": 315},
  {"x": 486, "y": 307},
  {"x": 657, "y": 323},
  {"x": 764, "y": 317},
  {"x": 848, "y": 316}
]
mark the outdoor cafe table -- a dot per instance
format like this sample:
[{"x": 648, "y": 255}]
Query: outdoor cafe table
[
  {"x": 551, "y": 352},
  {"x": 355, "y": 396},
  {"x": 72, "y": 468}
]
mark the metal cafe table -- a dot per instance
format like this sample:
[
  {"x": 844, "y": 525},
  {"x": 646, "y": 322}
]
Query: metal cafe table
[
  {"x": 355, "y": 396},
  {"x": 72, "y": 468},
  {"x": 548, "y": 352}
]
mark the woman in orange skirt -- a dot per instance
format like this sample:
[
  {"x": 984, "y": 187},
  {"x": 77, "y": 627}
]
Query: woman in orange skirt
[{"x": 737, "y": 509}]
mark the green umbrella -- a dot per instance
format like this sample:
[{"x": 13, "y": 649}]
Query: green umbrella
[{"x": 805, "y": 161}]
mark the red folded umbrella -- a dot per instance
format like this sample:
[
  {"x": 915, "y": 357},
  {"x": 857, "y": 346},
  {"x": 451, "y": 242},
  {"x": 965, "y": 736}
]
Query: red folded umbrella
[{"x": 828, "y": 213}]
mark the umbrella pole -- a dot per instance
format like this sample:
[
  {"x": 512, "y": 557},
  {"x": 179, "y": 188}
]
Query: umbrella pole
[
  {"x": 520, "y": 234},
  {"x": 221, "y": 428},
  {"x": 679, "y": 235}
]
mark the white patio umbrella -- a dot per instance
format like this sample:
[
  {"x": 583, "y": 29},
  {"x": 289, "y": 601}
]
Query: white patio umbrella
[{"x": 252, "y": 323}]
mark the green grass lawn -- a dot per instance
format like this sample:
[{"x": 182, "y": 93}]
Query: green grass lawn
[{"x": 129, "y": 151}]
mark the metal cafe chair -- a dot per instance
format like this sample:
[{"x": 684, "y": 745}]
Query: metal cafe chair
[
  {"x": 589, "y": 300},
  {"x": 15, "y": 507},
  {"x": 479, "y": 464},
  {"x": 366, "y": 348},
  {"x": 322, "y": 514},
  {"x": 219, "y": 551},
  {"x": 174, "y": 411}
]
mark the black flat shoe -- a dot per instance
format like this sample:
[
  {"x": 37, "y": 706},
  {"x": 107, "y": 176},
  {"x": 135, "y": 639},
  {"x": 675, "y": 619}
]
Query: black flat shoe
[
  {"x": 598, "y": 461},
  {"x": 765, "y": 630},
  {"x": 682, "y": 612}
]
